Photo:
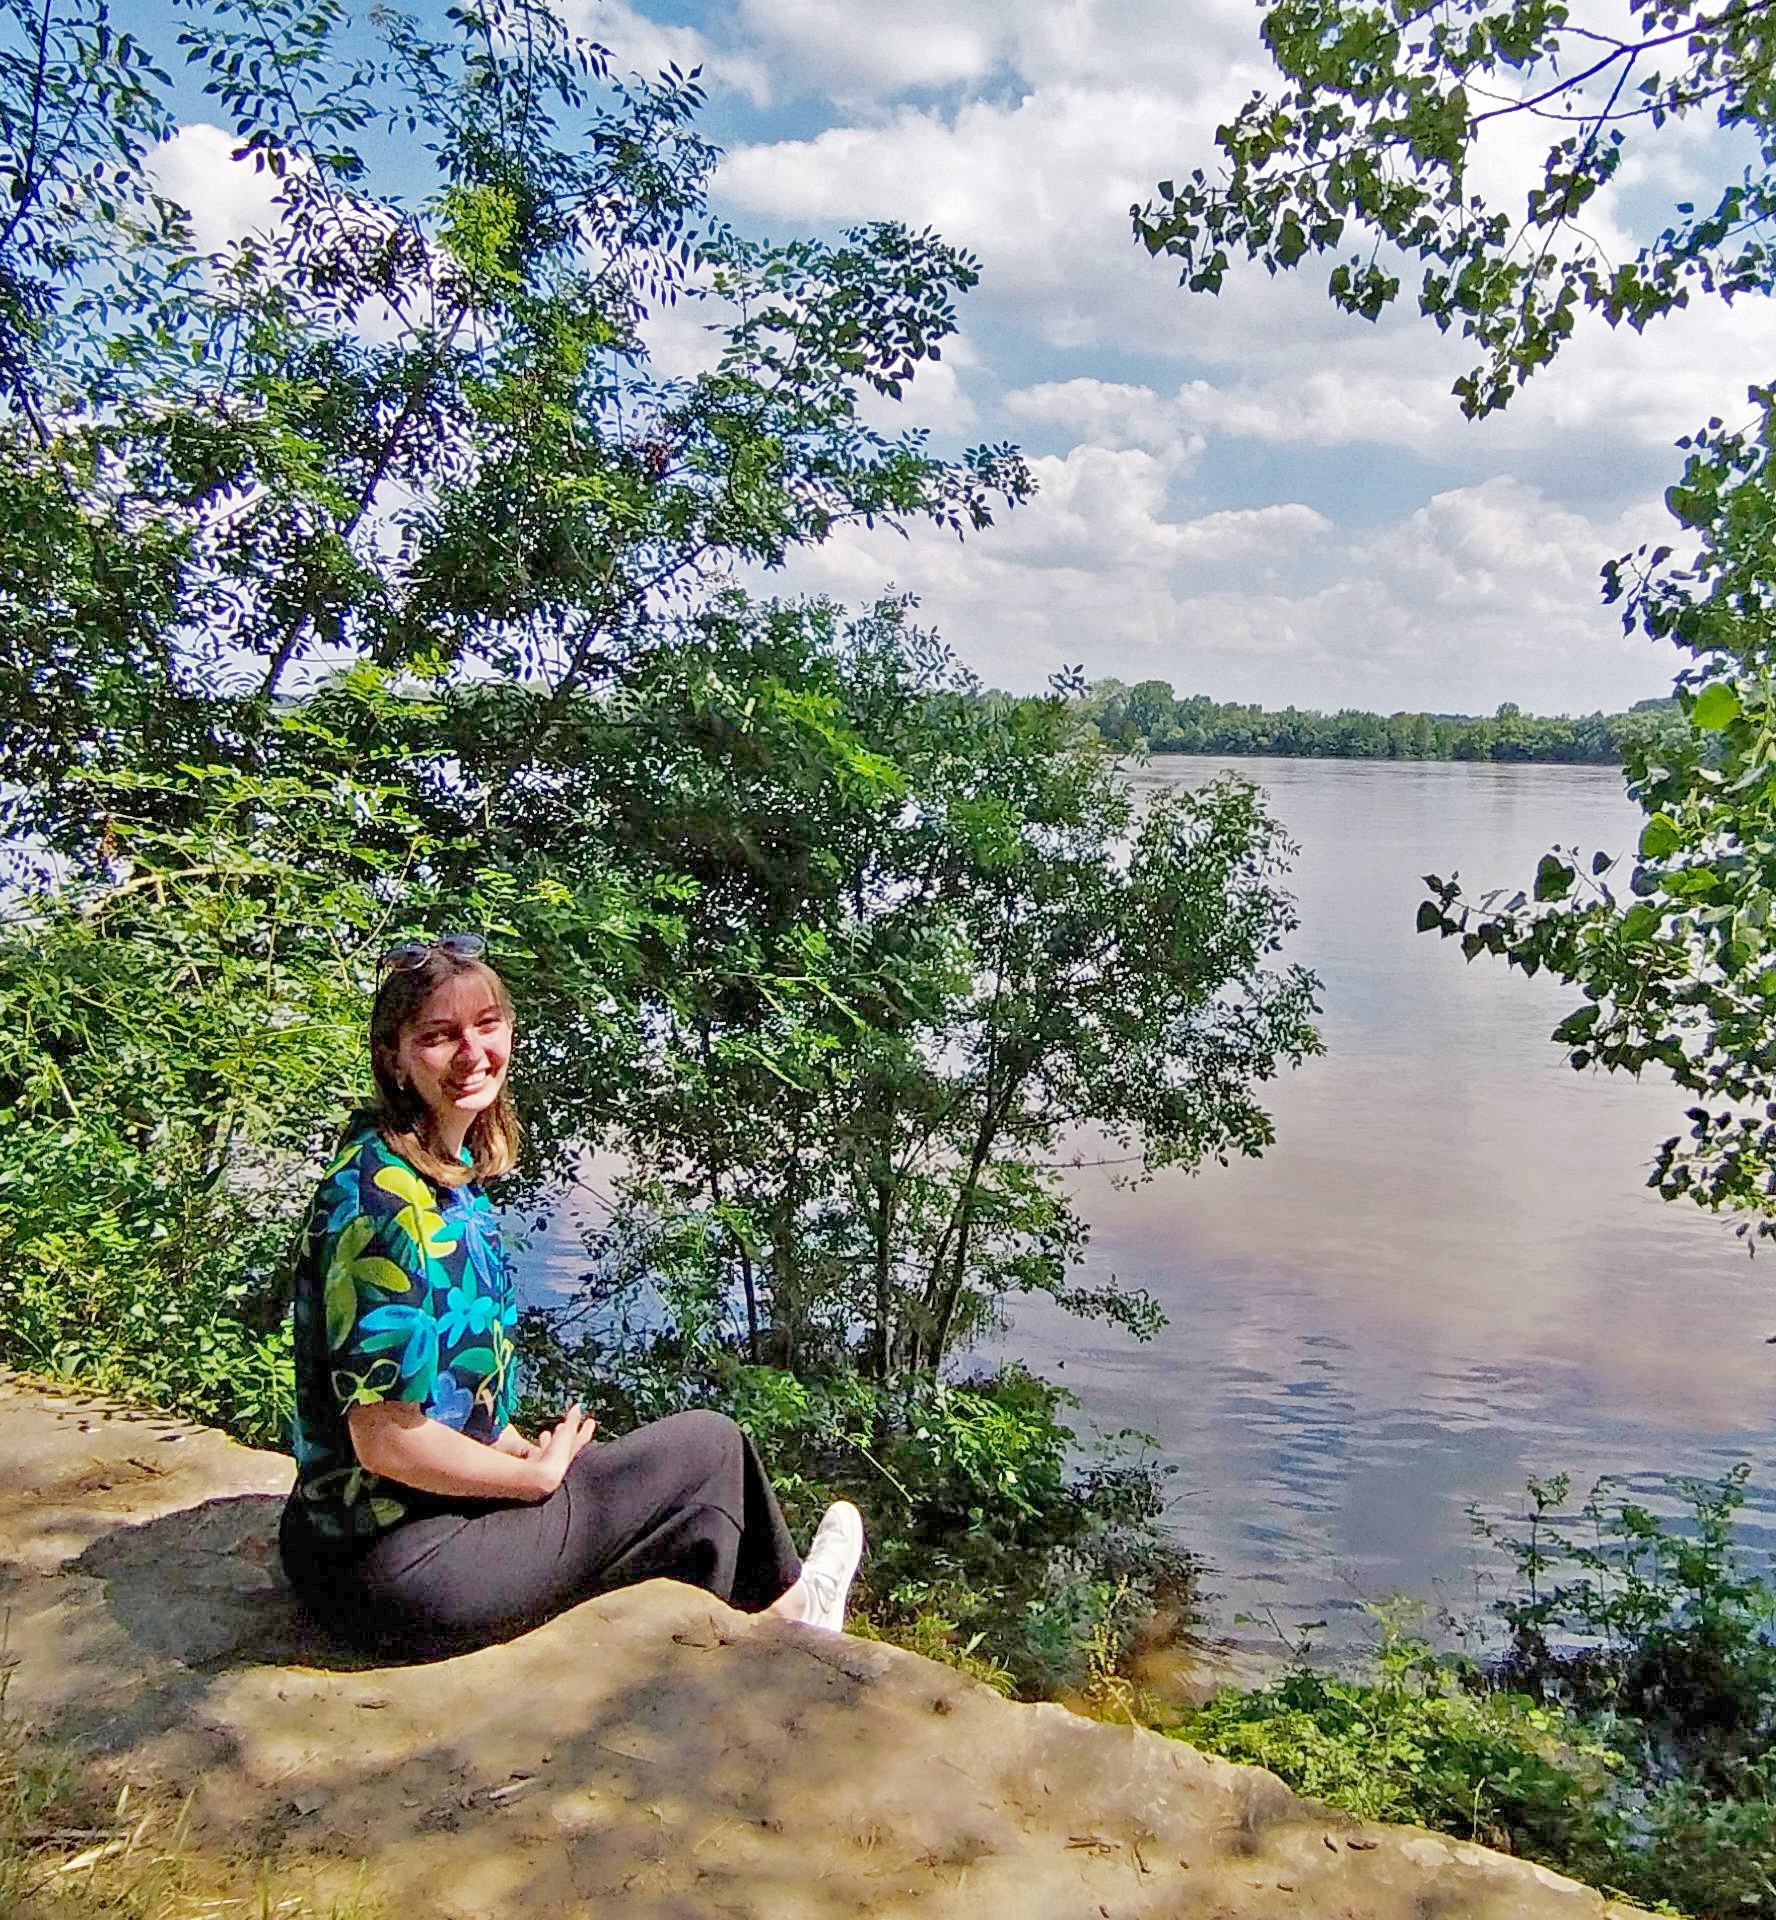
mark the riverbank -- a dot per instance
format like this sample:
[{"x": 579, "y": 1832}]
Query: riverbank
[
  {"x": 1150, "y": 717},
  {"x": 651, "y": 1753}
]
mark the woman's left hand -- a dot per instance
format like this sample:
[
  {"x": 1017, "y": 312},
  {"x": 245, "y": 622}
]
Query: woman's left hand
[{"x": 513, "y": 1442}]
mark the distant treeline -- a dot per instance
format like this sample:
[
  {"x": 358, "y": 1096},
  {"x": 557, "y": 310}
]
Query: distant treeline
[{"x": 1149, "y": 714}]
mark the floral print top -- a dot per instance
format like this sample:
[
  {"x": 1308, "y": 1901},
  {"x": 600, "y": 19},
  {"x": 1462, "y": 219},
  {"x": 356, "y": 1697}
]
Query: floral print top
[{"x": 402, "y": 1293}]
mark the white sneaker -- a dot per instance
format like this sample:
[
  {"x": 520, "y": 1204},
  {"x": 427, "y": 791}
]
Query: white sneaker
[{"x": 831, "y": 1566}]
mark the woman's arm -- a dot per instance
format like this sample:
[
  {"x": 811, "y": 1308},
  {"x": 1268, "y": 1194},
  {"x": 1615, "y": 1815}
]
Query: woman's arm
[{"x": 396, "y": 1440}]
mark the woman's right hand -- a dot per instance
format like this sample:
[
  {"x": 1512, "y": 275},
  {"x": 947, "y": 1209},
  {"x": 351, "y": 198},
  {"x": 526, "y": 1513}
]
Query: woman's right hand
[{"x": 557, "y": 1448}]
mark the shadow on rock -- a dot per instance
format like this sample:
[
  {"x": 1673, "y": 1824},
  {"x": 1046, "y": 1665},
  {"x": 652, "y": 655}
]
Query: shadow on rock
[{"x": 203, "y": 1586}]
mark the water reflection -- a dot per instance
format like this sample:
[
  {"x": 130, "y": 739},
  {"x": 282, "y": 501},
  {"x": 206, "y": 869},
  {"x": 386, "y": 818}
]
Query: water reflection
[{"x": 1448, "y": 1273}]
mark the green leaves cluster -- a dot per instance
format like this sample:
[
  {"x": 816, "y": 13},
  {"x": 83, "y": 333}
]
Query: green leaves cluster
[
  {"x": 416, "y": 433},
  {"x": 1617, "y": 1611},
  {"x": 174, "y": 1025},
  {"x": 1412, "y": 1743},
  {"x": 1624, "y": 1736},
  {"x": 931, "y": 951},
  {"x": 1671, "y": 946},
  {"x": 1363, "y": 155}
]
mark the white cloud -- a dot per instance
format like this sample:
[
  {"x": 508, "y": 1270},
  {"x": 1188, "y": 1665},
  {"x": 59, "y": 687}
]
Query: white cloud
[
  {"x": 1038, "y": 182},
  {"x": 864, "y": 51},
  {"x": 1111, "y": 413},
  {"x": 637, "y": 44},
  {"x": 226, "y": 198},
  {"x": 1484, "y": 593},
  {"x": 852, "y": 47},
  {"x": 1039, "y": 190}
]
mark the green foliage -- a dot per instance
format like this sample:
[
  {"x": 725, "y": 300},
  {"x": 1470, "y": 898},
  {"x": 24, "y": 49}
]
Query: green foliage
[
  {"x": 419, "y": 434},
  {"x": 1706, "y": 1855},
  {"x": 1369, "y": 143},
  {"x": 929, "y": 940},
  {"x": 1618, "y": 1614},
  {"x": 1418, "y": 1742},
  {"x": 991, "y": 1544},
  {"x": 1366, "y": 152},
  {"x": 1671, "y": 947},
  {"x": 1626, "y": 1736},
  {"x": 181, "y": 1035},
  {"x": 1152, "y": 716},
  {"x": 168, "y": 1034}
]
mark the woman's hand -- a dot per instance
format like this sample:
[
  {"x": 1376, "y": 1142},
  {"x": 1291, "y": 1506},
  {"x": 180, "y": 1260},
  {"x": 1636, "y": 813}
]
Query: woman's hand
[
  {"x": 396, "y": 1440},
  {"x": 557, "y": 1447}
]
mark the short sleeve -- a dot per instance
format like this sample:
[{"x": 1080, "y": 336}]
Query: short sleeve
[
  {"x": 381, "y": 1279},
  {"x": 382, "y": 1335}
]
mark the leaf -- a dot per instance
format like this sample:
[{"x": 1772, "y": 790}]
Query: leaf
[
  {"x": 1554, "y": 878},
  {"x": 1716, "y": 708},
  {"x": 1577, "y": 1025},
  {"x": 1659, "y": 837},
  {"x": 1639, "y": 924}
]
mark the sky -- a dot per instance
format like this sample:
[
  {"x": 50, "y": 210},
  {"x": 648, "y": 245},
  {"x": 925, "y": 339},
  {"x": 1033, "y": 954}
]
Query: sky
[{"x": 1251, "y": 496}]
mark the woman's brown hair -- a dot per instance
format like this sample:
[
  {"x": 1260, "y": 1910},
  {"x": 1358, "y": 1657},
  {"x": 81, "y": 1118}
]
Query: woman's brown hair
[{"x": 494, "y": 1134}]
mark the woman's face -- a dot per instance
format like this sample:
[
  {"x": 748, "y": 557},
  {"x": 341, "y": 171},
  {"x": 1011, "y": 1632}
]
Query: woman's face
[{"x": 454, "y": 1052}]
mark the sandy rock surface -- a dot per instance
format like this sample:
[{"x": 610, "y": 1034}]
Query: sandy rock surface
[{"x": 650, "y": 1753}]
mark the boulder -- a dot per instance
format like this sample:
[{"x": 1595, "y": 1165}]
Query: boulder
[{"x": 651, "y": 1752}]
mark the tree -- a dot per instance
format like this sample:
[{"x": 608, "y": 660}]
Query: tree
[
  {"x": 1369, "y": 145},
  {"x": 362, "y": 523},
  {"x": 1150, "y": 709},
  {"x": 418, "y": 434},
  {"x": 931, "y": 942}
]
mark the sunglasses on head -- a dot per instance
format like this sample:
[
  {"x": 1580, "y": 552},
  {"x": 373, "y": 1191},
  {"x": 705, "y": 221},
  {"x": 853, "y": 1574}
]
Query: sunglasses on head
[{"x": 415, "y": 953}]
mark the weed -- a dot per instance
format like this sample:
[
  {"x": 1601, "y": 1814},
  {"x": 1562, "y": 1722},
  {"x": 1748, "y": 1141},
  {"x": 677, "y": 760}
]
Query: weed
[
  {"x": 71, "y": 1851},
  {"x": 1626, "y": 1736}
]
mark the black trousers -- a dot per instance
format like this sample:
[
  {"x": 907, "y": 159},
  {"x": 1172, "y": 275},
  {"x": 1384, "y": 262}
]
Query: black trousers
[{"x": 685, "y": 1498}]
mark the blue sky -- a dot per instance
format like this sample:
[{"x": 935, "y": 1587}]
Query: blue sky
[{"x": 1252, "y": 496}]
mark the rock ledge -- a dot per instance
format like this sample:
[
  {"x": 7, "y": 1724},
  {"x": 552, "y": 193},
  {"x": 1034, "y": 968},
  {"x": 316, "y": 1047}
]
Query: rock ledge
[{"x": 650, "y": 1753}]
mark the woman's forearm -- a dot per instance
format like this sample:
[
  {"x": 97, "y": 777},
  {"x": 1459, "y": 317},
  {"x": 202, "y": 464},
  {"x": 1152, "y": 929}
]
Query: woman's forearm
[{"x": 396, "y": 1441}]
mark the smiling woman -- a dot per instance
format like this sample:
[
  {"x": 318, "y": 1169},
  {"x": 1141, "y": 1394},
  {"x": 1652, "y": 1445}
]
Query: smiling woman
[{"x": 421, "y": 1516}]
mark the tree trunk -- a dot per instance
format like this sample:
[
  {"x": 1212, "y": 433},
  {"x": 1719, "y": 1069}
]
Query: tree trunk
[{"x": 883, "y": 1278}]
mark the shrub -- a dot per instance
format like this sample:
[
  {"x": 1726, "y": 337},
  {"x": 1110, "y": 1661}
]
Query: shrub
[
  {"x": 988, "y": 1541},
  {"x": 1420, "y": 1741}
]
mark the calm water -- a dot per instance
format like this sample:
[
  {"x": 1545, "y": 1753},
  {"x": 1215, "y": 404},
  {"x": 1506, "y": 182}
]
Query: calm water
[{"x": 1447, "y": 1274}]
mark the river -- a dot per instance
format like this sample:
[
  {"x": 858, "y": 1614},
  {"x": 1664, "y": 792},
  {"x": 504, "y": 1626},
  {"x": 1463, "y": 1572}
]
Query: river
[{"x": 1448, "y": 1272}]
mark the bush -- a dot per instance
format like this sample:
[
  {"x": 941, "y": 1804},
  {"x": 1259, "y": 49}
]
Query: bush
[
  {"x": 987, "y": 1544},
  {"x": 1627, "y": 1734},
  {"x": 1425, "y": 1741},
  {"x": 1658, "y": 1628}
]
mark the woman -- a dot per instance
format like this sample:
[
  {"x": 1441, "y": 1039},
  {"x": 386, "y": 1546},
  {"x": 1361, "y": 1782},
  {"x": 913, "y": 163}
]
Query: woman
[{"x": 421, "y": 1516}]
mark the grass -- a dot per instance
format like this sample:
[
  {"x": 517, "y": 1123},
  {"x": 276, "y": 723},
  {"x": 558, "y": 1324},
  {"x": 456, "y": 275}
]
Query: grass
[{"x": 71, "y": 1850}]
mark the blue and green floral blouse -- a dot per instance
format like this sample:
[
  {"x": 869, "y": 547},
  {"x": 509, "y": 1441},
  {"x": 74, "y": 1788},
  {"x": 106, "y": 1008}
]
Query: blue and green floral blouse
[{"x": 402, "y": 1293}]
